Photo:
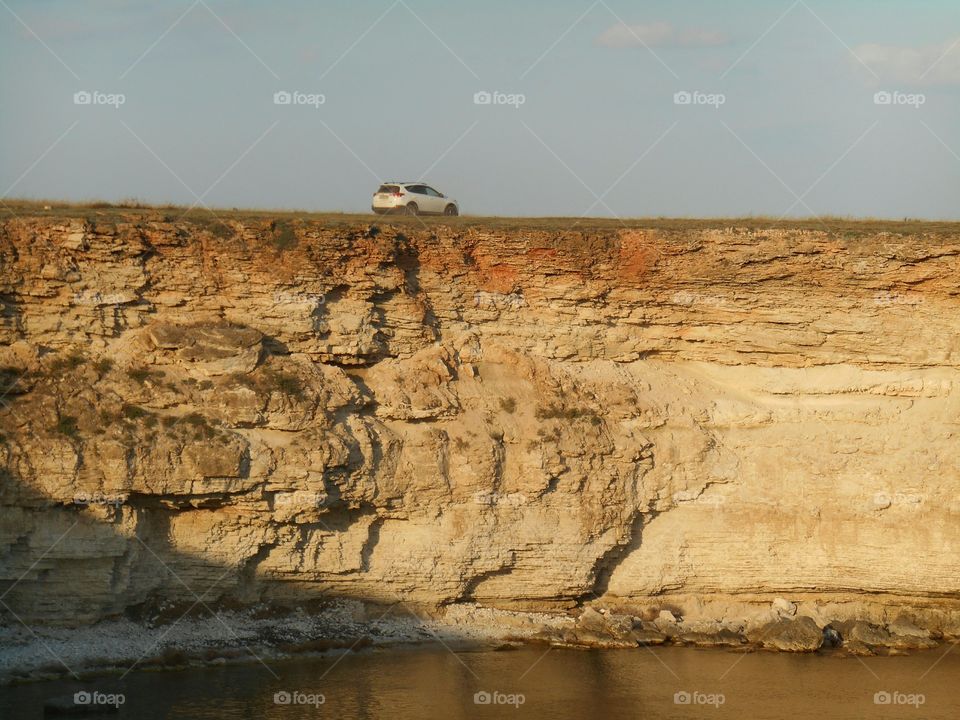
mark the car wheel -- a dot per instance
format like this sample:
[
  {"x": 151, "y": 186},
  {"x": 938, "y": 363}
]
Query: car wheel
[
  {"x": 412, "y": 209},
  {"x": 451, "y": 210}
]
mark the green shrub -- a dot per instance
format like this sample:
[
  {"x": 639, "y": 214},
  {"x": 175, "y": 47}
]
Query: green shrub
[
  {"x": 283, "y": 236},
  {"x": 141, "y": 375},
  {"x": 557, "y": 412},
  {"x": 287, "y": 383},
  {"x": 9, "y": 377},
  {"x": 67, "y": 362},
  {"x": 133, "y": 412},
  {"x": 67, "y": 425}
]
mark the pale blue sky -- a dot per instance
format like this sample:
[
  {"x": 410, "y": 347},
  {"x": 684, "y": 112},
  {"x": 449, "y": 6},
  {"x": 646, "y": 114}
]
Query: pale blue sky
[{"x": 399, "y": 80}]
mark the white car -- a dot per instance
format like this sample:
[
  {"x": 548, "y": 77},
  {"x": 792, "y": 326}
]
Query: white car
[{"x": 412, "y": 198}]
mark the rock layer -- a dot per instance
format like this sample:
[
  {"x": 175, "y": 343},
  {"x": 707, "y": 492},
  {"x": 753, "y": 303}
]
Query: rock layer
[{"x": 697, "y": 420}]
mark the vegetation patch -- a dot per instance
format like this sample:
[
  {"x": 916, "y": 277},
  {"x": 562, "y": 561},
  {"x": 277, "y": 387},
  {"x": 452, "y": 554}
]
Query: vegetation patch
[
  {"x": 551, "y": 412},
  {"x": 141, "y": 375},
  {"x": 283, "y": 236},
  {"x": 508, "y": 405},
  {"x": 67, "y": 425},
  {"x": 9, "y": 377},
  {"x": 65, "y": 363},
  {"x": 202, "y": 430},
  {"x": 133, "y": 412}
]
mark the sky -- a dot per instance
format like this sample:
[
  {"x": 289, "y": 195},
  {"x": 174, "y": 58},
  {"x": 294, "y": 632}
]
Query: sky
[{"x": 679, "y": 108}]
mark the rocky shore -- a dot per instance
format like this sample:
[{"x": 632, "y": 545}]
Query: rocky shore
[{"x": 269, "y": 635}]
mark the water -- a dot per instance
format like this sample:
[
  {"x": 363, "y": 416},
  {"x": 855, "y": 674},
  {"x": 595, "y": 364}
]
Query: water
[{"x": 435, "y": 683}]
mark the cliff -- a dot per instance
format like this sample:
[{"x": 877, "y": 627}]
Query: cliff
[{"x": 272, "y": 410}]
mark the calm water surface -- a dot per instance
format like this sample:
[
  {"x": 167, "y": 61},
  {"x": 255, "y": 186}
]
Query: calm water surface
[{"x": 435, "y": 683}]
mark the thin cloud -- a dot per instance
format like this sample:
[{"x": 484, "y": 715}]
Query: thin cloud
[
  {"x": 658, "y": 34},
  {"x": 924, "y": 65}
]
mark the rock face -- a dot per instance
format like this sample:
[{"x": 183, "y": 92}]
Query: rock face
[{"x": 696, "y": 420}]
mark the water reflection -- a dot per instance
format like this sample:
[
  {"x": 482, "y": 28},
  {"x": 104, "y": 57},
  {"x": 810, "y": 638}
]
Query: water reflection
[{"x": 532, "y": 683}]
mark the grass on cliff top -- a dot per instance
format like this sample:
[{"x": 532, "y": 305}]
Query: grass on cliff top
[{"x": 131, "y": 210}]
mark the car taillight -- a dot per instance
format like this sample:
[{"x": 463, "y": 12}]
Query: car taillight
[{"x": 398, "y": 193}]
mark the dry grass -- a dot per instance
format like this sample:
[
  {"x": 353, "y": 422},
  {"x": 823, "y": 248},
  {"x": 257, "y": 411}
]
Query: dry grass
[{"x": 128, "y": 210}]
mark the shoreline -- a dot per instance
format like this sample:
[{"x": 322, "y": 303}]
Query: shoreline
[{"x": 122, "y": 646}]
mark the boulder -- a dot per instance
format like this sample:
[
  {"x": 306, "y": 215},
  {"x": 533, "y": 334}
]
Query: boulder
[
  {"x": 211, "y": 349},
  {"x": 801, "y": 634},
  {"x": 863, "y": 632},
  {"x": 906, "y": 635}
]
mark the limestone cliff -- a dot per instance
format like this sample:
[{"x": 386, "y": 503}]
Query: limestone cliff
[{"x": 522, "y": 417}]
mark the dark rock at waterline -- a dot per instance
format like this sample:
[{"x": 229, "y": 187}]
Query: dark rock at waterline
[
  {"x": 800, "y": 634},
  {"x": 831, "y": 638}
]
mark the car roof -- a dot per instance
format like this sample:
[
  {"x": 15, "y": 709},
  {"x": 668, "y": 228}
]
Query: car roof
[{"x": 407, "y": 182}]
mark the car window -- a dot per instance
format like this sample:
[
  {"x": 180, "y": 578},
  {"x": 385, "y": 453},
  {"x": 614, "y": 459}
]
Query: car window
[
  {"x": 390, "y": 189},
  {"x": 430, "y": 191},
  {"x": 418, "y": 189}
]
